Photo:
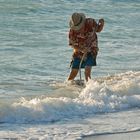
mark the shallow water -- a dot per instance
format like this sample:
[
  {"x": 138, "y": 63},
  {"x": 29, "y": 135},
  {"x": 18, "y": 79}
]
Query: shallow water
[{"x": 35, "y": 99}]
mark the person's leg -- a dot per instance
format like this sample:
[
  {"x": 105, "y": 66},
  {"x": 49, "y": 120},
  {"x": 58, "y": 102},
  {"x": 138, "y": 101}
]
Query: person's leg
[
  {"x": 88, "y": 72},
  {"x": 73, "y": 74},
  {"x": 90, "y": 61},
  {"x": 75, "y": 68}
]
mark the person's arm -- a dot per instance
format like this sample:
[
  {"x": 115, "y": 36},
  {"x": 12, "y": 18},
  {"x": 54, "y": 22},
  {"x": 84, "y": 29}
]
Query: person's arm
[{"x": 70, "y": 38}]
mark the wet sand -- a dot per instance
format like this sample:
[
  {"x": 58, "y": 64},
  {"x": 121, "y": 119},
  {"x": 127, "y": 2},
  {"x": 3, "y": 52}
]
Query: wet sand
[{"x": 118, "y": 136}]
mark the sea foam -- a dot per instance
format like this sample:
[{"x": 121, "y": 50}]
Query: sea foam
[{"x": 101, "y": 95}]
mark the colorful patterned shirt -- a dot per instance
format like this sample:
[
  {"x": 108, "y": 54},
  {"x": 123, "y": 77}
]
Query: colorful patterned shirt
[{"x": 86, "y": 39}]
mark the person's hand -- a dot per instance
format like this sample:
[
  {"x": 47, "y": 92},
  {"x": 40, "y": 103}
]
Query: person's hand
[
  {"x": 101, "y": 21},
  {"x": 85, "y": 50},
  {"x": 100, "y": 25}
]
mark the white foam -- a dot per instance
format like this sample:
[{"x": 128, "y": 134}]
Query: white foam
[{"x": 106, "y": 94}]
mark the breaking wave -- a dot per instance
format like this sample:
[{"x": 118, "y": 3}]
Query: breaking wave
[{"x": 101, "y": 95}]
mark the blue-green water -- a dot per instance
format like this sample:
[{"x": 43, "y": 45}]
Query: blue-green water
[{"x": 34, "y": 63}]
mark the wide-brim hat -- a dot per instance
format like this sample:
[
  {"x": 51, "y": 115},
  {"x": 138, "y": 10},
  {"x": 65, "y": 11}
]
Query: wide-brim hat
[{"x": 77, "y": 21}]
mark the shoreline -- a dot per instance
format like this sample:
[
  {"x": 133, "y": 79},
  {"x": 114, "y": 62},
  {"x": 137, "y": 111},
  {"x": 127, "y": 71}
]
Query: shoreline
[{"x": 118, "y": 136}]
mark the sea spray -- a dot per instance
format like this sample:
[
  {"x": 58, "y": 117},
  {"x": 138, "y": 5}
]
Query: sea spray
[{"x": 99, "y": 96}]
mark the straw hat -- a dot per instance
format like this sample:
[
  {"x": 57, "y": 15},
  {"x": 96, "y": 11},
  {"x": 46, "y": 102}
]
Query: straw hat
[{"x": 77, "y": 21}]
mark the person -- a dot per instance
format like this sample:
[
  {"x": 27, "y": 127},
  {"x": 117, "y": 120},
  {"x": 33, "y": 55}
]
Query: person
[{"x": 83, "y": 40}]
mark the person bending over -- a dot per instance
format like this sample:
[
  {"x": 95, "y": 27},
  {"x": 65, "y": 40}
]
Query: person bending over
[{"x": 83, "y": 40}]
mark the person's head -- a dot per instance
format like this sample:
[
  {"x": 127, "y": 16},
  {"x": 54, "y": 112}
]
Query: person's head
[{"x": 77, "y": 21}]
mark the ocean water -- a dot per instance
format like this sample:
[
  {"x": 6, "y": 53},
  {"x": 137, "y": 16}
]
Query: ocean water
[{"x": 36, "y": 102}]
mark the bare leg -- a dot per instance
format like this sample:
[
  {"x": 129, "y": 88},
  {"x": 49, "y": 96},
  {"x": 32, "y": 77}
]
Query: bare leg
[
  {"x": 73, "y": 74},
  {"x": 88, "y": 72}
]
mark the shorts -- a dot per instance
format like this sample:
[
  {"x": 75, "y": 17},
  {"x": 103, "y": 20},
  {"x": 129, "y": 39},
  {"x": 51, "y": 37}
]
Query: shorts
[{"x": 89, "y": 61}]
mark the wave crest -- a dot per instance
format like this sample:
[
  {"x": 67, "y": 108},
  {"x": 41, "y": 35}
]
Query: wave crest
[{"x": 106, "y": 94}]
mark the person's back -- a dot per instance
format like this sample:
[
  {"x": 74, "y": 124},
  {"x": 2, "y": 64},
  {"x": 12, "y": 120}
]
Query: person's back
[{"x": 86, "y": 39}]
